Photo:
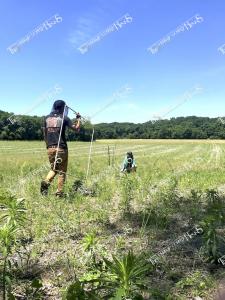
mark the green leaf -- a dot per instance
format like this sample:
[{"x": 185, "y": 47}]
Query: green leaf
[
  {"x": 119, "y": 294},
  {"x": 36, "y": 283},
  {"x": 8, "y": 280},
  {"x": 75, "y": 292},
  {"x": 11, "y": 296}
]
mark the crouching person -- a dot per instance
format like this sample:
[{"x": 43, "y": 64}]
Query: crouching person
[
  {"x": 54, "y": 128},
  {"x": 129, "y": 164}
]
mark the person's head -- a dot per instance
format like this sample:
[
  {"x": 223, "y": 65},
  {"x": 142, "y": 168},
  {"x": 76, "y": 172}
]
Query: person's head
[
  {"x": 129, "y": 155},
  {"x": 58, "y": 106}
]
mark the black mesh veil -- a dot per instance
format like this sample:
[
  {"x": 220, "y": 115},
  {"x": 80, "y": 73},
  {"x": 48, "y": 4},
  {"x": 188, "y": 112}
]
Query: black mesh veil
[{"x": 59, "y": 110}]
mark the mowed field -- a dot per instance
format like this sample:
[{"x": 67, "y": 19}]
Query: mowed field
[
  {"x": 142, "y": 212},
  {"x": 201, "y": 163}
]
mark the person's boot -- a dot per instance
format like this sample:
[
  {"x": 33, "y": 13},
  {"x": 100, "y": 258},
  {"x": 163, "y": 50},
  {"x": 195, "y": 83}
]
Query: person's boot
[
  {"x": 59, "y": 194},
  {"x": 44, "y": 188}
]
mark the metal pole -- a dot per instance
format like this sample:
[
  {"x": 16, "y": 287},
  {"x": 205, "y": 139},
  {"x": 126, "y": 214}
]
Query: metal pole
[
  {"x": 76, "y": 113},
  {"x": 57, "y": 150},
  {"x": 113, "y": 156},
  {"x": 89, "y": 158},
  {"x": 108, "y": 155}
]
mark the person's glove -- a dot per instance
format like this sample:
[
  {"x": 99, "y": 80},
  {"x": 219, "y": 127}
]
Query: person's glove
[
  {"x": 78, "y": 122},
  {"x": 78, "y": 116}
]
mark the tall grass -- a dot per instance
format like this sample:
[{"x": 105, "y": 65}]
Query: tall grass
[{"x": 82, "y": 245}]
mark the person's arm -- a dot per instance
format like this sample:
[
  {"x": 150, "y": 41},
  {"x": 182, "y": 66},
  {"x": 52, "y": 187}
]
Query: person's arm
[
  {"x": 134, "y": 163},
  {"x": 124, "y": 165},
  {"x": 76, "y": 125}
]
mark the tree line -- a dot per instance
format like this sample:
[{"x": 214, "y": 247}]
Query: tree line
[{"x": 192, "y": 127}]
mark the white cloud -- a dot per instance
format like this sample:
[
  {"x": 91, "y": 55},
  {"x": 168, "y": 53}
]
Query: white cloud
[
  {"x": 83, "y": 31},
  {"x": 86, "y": 27}
]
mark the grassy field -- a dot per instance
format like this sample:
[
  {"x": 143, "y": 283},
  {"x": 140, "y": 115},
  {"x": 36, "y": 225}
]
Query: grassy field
[{"x": 99, "y": 246}]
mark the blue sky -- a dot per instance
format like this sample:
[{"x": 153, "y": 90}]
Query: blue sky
[{"x": 89, "y": 80}]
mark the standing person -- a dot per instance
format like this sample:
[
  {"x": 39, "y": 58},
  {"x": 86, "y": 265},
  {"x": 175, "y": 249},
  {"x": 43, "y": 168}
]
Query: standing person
[
  {"x": 54, "y": 134},
  {"x": 129, "y": 164}
]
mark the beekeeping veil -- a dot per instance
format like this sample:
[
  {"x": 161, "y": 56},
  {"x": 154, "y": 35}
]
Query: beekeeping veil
[{"x": 59, "y": 106}]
